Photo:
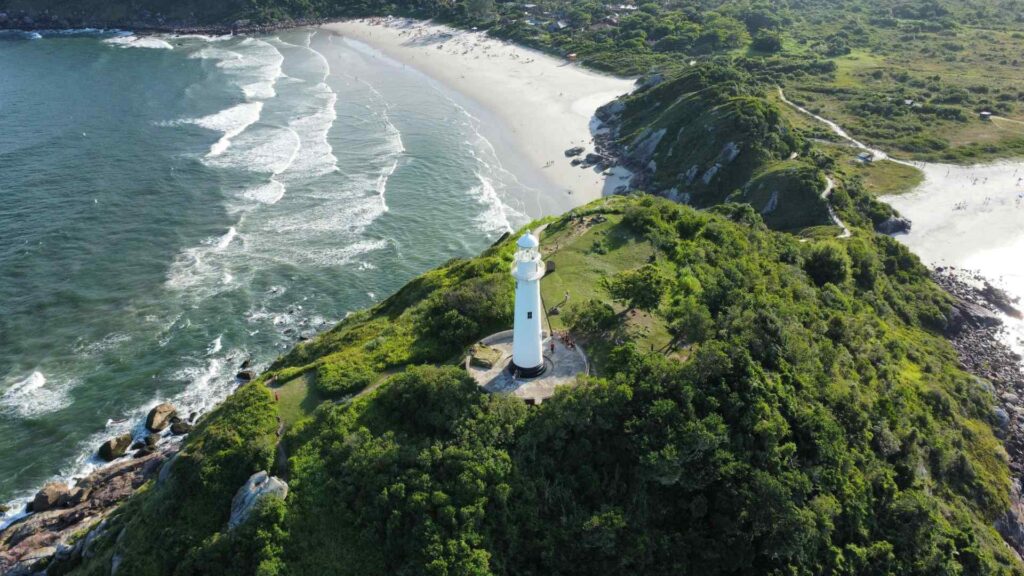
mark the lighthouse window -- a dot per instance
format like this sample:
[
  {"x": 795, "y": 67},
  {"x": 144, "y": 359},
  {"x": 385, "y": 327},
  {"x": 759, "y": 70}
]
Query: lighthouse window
[{"x": 529, "y": 315}]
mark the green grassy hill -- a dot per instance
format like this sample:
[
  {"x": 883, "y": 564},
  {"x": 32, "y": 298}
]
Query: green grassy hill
[
  {"x": 711, "y": 135},
  {"x": 760, "y": 406}
]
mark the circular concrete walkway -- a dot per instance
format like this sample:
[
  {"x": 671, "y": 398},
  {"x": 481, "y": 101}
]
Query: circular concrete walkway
[{"x": 564, "y": 365}]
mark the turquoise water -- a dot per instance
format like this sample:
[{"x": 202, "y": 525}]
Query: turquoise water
[{"x": 174, "y": 206}]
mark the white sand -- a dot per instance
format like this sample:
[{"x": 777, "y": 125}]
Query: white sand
[
  {"x": 971, "y": 217},
  {"x": 538, "y": 104}
]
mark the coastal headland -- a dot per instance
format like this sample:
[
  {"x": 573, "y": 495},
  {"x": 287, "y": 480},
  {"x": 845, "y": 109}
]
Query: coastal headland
[{"x": 534, "y": 107}]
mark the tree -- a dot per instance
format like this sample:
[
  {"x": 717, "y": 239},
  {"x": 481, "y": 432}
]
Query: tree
[
  {"x": 641, "y": 288},
  {"x": 766, "y": 41},
  {"x": 828, "y": 262},
  {"x": 593, "y": 318},
  {"x": 690, "y": 320}
]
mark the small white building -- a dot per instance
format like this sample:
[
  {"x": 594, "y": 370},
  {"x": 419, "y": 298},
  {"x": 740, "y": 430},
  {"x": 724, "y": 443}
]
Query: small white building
[{"x": 527, "y": 334}]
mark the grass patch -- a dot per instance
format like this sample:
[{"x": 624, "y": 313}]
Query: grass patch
[
  {"x": 883, "y": 177},
  {"x": 586, "y": 254},
  {"x": 580, "y": 265},
  {"x": 297, "y": 398}
]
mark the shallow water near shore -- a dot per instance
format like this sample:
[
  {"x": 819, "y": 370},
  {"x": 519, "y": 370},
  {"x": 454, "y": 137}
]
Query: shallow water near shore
[{"x": 174, "y": 206}]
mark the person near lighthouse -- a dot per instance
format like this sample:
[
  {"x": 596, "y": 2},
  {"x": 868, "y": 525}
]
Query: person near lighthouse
[{"x": 527, "y": 336}]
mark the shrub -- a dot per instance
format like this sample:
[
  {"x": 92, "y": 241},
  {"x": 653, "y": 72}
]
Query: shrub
[
  {"x": 641, "y": 288},
  {"x": 338, "y": 377},
  {"x": 827, "y": 263},
  {"x": 592, "y": 318},
  {"x": 689, "y": 320},
  {"x": 766, "y": 41}
]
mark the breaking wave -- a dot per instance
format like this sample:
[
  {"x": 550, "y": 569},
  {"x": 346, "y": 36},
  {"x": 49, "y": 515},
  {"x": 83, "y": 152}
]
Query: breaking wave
[{"x": 35, "y": 395}]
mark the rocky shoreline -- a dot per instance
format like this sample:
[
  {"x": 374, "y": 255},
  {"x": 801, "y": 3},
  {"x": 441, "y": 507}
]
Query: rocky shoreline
[
  {"x": 59, "y": 512},
  {"x": 976, "y": 330},
  {"x": 27, "y": 545}
]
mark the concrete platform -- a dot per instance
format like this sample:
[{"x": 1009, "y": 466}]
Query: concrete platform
[{"x": 563, "y": 366}]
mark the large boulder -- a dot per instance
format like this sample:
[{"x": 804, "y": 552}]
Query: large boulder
[
  {"x": 52, "y": 495},
  {"x": 259, "y": 486},
  {"x": 1001, "y": 300},
  {"x": 893, "y": 225},
  {"x": 160, "y": 416},
  {"x": 115, "y": 447},
  {"x": 966, "y": 315},
  {"x": 1011, "y": 524}
]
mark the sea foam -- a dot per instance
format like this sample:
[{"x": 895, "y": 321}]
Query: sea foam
[
  {"x": 33, "y": 396},
  {"x": 151, "y": 42},
  {"x": 232, "y": 122}
]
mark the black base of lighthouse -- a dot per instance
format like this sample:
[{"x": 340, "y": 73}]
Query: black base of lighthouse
[{"x": 520, "y": 372}]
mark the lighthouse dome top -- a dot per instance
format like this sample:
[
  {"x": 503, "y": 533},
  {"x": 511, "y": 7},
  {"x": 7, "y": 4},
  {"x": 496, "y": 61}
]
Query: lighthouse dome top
[{"x": 528, "y": 241}]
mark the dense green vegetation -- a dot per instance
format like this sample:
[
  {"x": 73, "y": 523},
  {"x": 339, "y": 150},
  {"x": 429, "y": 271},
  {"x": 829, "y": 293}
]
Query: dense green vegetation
[
  {"x": 759, "y": 404},
  {"x": 801, "y": 415}
]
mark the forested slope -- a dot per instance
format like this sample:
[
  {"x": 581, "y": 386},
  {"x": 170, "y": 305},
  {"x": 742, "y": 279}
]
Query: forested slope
[{"x": 780, "y": 408}]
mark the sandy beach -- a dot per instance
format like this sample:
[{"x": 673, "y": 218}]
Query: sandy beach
[
  {"x": 971, "y": 217},
  {"x": 532, "y": 104}
]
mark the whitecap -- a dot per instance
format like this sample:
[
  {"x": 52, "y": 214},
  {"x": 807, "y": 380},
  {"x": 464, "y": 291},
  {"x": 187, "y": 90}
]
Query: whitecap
[
  {"x": 224, "y": 241},
  {"x": 317, "y": 158},
  {"x": 231, "y": 121},
  {"x": 132, "y": 41},
  {"x": 269, "y": 193},
  {"x": 203, "y": 264},
  {"x": 256, "y": 69},
  {"x": 382, "y": 184},
  {"x": 262, "y": 149},
  {"x": 495, "y": 217},
  {"x": 345, "y": 254},
  {"x": 32, "y": 396},
  {"x": 204, "y": 37},
  {"x": 215, "y": 53},
  {"x": 108, "y": 342},
  {"x": 214, "y": 346}
]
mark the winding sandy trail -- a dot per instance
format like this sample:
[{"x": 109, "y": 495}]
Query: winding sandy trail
[
  {"x": 831, "y": 184},
  {"x": 826, "y": 196}
]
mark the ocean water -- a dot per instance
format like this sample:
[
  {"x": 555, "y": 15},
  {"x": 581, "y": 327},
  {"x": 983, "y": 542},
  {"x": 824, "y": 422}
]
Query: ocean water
[{"x": 172, "y": 206}]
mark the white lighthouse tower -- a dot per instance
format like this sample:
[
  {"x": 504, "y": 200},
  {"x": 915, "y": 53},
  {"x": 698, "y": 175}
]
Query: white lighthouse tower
[{"x": 527, "y": 345}]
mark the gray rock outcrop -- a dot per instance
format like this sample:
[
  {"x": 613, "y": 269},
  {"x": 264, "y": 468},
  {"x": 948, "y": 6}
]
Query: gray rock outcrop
[
  {"x": 28, "y": 544},
  {"x": 259, "y": 486},
  {"x": 964, "y": 314},
  {"x": 893, "y": 225}
]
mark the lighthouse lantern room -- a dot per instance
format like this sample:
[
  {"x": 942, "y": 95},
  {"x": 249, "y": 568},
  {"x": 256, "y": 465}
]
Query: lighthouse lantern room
[{"x": 527, "y": 336}]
